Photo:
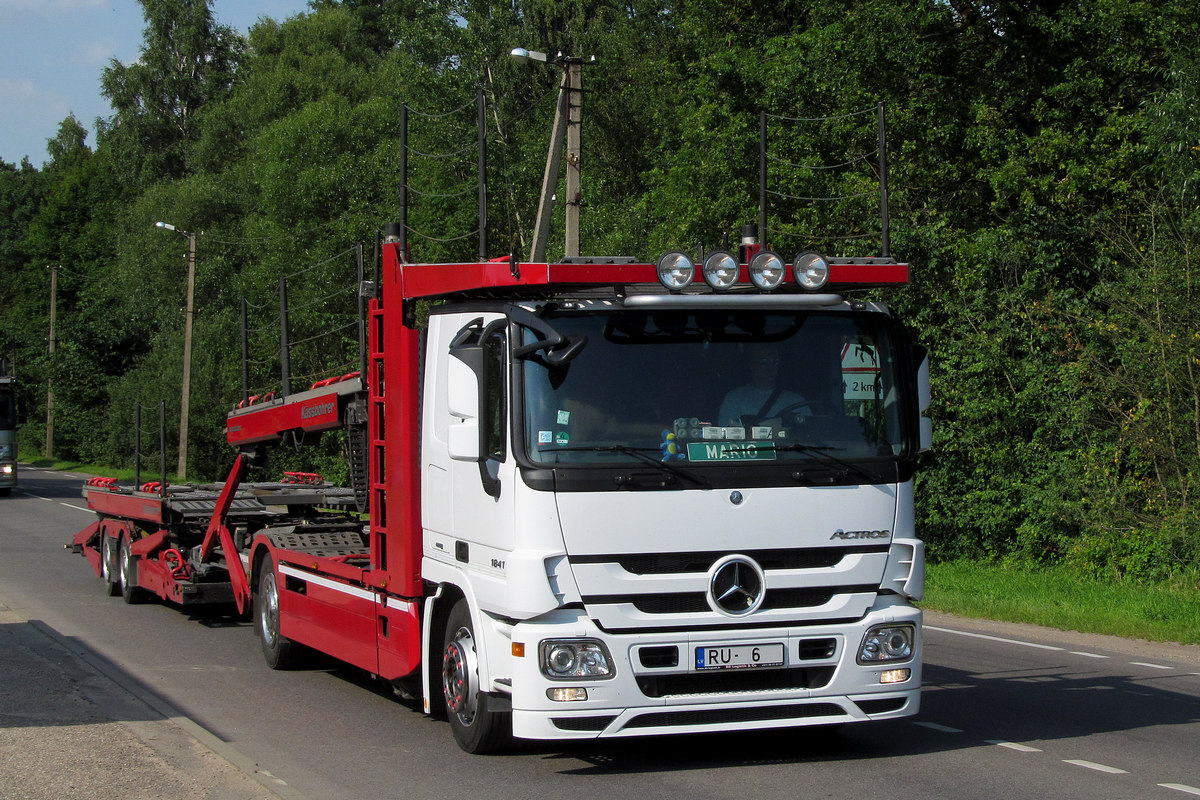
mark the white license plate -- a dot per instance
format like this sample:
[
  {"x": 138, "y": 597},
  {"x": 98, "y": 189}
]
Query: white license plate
[{"x": 739, "y": 656}]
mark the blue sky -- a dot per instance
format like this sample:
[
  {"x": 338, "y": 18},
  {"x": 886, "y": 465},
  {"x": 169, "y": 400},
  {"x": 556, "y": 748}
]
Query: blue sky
[{"x": 53, "y": 51}]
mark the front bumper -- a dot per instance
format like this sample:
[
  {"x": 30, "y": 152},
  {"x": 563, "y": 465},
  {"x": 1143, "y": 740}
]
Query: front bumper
[{"x": 819, "y": 683}]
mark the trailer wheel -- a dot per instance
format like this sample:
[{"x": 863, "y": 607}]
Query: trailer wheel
[
  {"x": 476, "y": 729},
  {"x": 279, "y": 651},
  {"x": 128, "y": 573},
  {"x": 112, "y": 581}
]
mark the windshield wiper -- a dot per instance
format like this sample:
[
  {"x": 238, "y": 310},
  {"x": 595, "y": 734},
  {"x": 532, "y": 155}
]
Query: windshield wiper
[
  {"x": 640, "y": 453},
  {"x": 822, "y": 453}
]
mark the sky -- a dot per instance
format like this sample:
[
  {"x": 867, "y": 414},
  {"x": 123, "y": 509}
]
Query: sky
[{"x": 52, "y": 53}]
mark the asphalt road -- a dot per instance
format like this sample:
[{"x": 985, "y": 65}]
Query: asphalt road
[{"x": 1007, "y": 711}]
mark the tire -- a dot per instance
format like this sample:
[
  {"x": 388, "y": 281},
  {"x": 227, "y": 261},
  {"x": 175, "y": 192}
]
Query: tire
[
  {"x": 279, "y": 651},
  {"x": 6, "y": 491},
  {"x": 476, "y": 729},
  {"x": 111, "y": 577},
  {"x": 127, "y": 573}
]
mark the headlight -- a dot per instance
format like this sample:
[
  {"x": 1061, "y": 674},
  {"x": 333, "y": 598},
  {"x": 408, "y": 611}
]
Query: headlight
[
  {"x": 810, "y": 270},
  {"x": 675, "y": 270},
  {"x": 6, "y": 469},
  {"x": 572, "y": 659},
  {"x": 720, "y": 270},
  {"x": 887, "y": 643},
  {"x": 766, "y": 271}
]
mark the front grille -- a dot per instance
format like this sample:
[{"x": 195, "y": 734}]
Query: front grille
[
  {"x": 664, "y": 719},
  {"x": 695, "y": 602},
  {"x": 679, "y": 563},
  {"x": 735, "y": 681}
]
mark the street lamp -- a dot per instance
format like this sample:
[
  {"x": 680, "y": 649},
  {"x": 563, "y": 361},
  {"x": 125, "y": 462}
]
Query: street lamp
[
  {"x": 181, "y": 470},
  {"x": 568, "y": 115}
]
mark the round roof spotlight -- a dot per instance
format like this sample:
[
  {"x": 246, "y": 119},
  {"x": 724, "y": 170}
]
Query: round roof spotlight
[
  {"x": 811, "y": 271},
  {"x": 675, "y": 270},
  {"x": 720, "y": 270},
  {"x": 766, "y": 271}
]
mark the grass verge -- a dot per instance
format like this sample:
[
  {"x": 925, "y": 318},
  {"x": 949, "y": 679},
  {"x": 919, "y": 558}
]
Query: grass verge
[{"x": 1056, "y": 598}]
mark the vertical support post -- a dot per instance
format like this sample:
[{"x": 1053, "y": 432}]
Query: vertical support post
[
  {"x": 245, "y": 354},
  {"x": 285, "y": 365},
  {"x": 762, "y": 180},
  {"x": 574, "y": 120},
  {"x": 481, "y": 118},
  {"x": 362, "y": 315},
  {"x": 186, "y": 391},
  {"x": 137, "y": 445},
  {"x": 49, "y": 384},
  {"x": 884, "y": 224},
  {"x": 404, "y": 181},
  {"x": 162, "y": 447}
]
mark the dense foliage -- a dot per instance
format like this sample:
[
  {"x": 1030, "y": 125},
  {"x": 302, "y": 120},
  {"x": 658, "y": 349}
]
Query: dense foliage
[{"x": 1044, "y": 166}]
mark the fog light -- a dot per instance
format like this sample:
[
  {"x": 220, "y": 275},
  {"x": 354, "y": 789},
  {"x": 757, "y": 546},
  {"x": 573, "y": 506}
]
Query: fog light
[
  {"x": 675, "y": 270},
  {"x": 720, "y": 270},
  {"x": 566, "y": 694},
  {"x": 766, "y": 271},
  {"x": 810, "y": 270},
  {"x": 895, "y": 676}
]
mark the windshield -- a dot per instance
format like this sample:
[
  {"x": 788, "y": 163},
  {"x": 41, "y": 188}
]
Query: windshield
[
  {"x": 8, "y": 410},
  {"x": 715, "y": 387}
]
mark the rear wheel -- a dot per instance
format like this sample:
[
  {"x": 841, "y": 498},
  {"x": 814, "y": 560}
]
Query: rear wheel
[
  {"x": 476, "y": 729},
  {"x": 108, "y": 573},
  {"x": 128, "y": 573},
  {"x": 279, "y": 651}
]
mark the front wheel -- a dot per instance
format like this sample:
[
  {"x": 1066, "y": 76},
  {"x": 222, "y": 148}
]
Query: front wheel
[
  {"x": 279, "y": 651},
  {"x": 476, "y": 729}
]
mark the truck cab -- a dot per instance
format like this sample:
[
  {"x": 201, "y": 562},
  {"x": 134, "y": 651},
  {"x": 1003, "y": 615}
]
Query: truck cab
[{"x": 630, "y": 551}]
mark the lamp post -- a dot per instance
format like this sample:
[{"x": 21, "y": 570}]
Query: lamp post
[
  {"x": 181, "y": 469},
  {"x": 568, "y": 117}
]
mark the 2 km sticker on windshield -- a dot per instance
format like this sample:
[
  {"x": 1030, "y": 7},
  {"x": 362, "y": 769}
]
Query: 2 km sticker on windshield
[{"x": 860, "y": 371}]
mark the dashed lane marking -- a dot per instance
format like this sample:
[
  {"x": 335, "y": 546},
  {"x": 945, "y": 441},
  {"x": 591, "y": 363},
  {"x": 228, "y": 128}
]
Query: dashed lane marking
[
  {"x": 77, "y": 508},
  {"x": 1088, "y": 655},
  {"x": 1020, "y": 748},
  {"x": 1151, "y": 666},
  {"x": 1181, "y": 787},
  {"x": 933, "y": 726},
  {"x": 1079, "y": 762}
]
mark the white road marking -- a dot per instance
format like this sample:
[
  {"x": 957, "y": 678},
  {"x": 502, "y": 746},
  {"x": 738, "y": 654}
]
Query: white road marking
[
  {"x": 1151, "y": 666},
  {"x": 1088, "y": 655},
  {"x": 1020, "y": 748},
  {"x": 1098, "y": 767},
  {"x": 993, "y": 638},
  {"x": 933, "y": 726},
  {"x": 77, "y": 508},
  {"x": 1181, "y": 787}
]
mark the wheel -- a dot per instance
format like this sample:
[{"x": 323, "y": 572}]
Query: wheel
[
  {"x": 279, "y": 651},
  {"x": 6, "y": 491},
  {"x": 112, "y": 581},
  {"x": 476, "y": 729},
  {"x": 128, "y": 577}
]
